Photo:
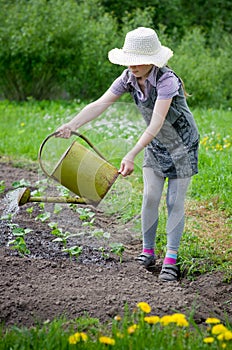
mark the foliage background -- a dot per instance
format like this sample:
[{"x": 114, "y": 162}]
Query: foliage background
[{"x": 58, "y": 49}]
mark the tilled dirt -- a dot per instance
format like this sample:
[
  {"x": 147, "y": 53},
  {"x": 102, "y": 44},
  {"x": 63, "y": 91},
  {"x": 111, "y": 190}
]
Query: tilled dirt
[{"x": 46, "y": 284}]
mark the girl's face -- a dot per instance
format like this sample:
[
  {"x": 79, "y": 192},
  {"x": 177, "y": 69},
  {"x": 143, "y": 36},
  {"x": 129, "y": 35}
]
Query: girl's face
[{"x": 141, "y": 71}]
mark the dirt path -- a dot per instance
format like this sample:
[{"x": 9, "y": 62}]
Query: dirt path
[{"x": 46, "y": 284}]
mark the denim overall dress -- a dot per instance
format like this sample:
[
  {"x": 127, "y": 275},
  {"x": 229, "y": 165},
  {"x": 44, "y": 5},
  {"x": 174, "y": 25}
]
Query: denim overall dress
[{"x": 173, "y": 153}]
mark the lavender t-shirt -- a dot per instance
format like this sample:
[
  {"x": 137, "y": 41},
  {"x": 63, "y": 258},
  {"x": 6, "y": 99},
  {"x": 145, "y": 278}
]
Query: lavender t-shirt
[{"x": 167, "y": 86}]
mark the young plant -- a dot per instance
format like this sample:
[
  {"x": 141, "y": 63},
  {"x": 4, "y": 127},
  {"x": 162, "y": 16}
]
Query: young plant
[
  {"x": 85, "y": 214},
  {"x": 118, "y": 249},
  {"x": 100, "y": 233},
  {"x": 2, "y": 186},
  {"x": 19, "y": 242},
  {"x": 103, "y": 253},
  {"x": 21, "y": 183},
  {"x": 30, "y": 211},
  {"x": 43, "y": 217},
  {"x": 63, "y": 237},
  {"x": 57, "y": 209},
  {"x": 74, "y": 251},
  {"x": 7, "y": 217}
]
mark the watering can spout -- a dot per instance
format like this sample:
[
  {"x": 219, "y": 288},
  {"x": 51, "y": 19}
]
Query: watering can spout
[{"x": 24, "y": 196}]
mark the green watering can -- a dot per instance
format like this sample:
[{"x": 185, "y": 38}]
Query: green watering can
[{"x": 84, "y": 172}]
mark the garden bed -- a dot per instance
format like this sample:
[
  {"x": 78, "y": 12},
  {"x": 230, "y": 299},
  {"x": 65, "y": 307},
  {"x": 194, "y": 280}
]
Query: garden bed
[{"x": 46, "y": 284}]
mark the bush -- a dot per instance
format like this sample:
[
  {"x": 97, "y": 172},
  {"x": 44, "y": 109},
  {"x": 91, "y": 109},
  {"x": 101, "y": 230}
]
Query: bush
[
  {"x": 58, "y": 49},
  {"x": 48, "y": 47},
  {"x": 206, "y": 70}
]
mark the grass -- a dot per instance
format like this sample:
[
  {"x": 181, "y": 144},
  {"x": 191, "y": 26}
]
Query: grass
[
  {"x": 25, "y": 125},
  {"x": 137, "y": 329},
  {"x": 207, "y": 240}
]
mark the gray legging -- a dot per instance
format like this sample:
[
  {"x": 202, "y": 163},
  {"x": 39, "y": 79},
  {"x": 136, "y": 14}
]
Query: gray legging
[{"x": 153, "y": 188}]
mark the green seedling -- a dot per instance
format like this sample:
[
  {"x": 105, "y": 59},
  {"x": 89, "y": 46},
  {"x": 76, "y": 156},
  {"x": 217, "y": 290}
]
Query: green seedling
[
  {"x": 100, "y": 233},
  {"x": 43, "y": 217},
  {"x": 18, "y": 231},
  {"x": 74, "y": 251},
  {"x": 57, "y": 209},
  {"x": 53, "y": 225},
  {"x": 63, "y": 238},
  {"x": 85, "y": 214},
  {"x": 103, "y": 253},
  {"x": 2, "y": 186},
  {"x": 21, "y": 183},
  {"x": 56, "y": 231},
  {"x": 7, "y": 217},
  {"x": 118, "y": 249},
  {"x": 89, "y": 223},
  {"x": 19, "y": 243},
  {"x": 30, "y": 211}
]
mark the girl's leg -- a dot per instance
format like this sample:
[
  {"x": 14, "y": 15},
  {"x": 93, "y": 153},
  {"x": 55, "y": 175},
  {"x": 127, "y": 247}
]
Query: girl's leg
[
  {"x": 153, "y": 187},
  {"x": 177, "y": 189}
]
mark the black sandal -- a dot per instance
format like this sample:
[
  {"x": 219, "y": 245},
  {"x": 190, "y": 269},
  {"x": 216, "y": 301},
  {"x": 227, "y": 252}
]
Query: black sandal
[
  {"x": 147, "y": 260},
  {"x": 169, "y": 273}
]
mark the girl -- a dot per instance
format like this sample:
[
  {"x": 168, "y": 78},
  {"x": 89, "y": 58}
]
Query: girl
[{"x": 170, "y": 140}]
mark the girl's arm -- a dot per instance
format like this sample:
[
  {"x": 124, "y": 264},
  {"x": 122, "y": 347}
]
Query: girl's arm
[
  {"x": 88, "y": 113},
  {"x": 159, "y": 114}
]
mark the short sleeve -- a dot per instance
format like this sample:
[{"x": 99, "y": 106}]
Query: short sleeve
[
  {"x": 167, "y": 86},
  {"x": 120, "y": 86}
]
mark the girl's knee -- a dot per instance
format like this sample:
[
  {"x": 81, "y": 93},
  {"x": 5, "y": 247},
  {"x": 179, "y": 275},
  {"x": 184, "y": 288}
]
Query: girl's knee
[{"x": 151, "y": 199}]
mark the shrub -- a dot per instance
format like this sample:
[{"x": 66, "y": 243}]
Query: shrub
[
  {"x": 52, "y": 46},
  {"x": 58, "y": 49},
  {"x": 205, "y": 70}
]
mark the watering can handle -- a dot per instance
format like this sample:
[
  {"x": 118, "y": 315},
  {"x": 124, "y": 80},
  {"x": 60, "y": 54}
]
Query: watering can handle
[{"x": 72, "y": 133}]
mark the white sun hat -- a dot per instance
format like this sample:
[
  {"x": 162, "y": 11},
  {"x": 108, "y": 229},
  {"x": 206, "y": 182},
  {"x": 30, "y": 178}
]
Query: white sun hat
[{"x": 141, "y": 46}]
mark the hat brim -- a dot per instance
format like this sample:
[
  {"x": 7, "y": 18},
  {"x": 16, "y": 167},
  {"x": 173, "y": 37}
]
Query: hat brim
[{"x": 118, "y": 56}]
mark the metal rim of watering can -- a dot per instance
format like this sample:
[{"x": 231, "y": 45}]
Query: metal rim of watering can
[{"x": 72, "y": 133}]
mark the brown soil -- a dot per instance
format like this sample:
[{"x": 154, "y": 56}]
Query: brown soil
[{"x": 45, "y": 284}]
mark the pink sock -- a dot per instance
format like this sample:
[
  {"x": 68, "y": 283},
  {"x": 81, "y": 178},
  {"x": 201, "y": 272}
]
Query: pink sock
[
  {"x": 148, "y": 251},
  {"x": 170, "y": 259}
]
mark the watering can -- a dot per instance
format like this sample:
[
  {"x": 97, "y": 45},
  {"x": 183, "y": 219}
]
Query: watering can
[{"x": 84, "y": 172}]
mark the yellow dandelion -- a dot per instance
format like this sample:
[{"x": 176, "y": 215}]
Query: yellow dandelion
[
  {"x": 132, "y": 329},
  {"x": 72, "y": 339},
  {"x": 152, "y": 319},
  {"x": 218, "y": 329},
  {"x": 218, "y": 147},
  {"x": 223, "y": 345},
  {"x": 166, "y": 320},
  {"x": 145, "y": 307},
  {"x": 83, "y": 336},
  {"x": 204, "y": 140},
  {"x": 77, "y": 337},
  {"x": 107, "y": 340},
  {"x": 227, "y": 335},
  {"x": 180, "y": 320},
  {"x": 227, "y": 145},
  {"x": 117, "y": 318},
  {"x": 212, "y": 320},
  {"x": 120, "y": 335},
  {"x": 22, "y": 124},
  {"x": 208, "y": 340}
]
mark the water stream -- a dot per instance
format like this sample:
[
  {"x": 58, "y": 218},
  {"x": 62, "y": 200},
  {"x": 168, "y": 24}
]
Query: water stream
[
  {"x": 10, "y": 209},
  {"x": 10, "y": 202}
]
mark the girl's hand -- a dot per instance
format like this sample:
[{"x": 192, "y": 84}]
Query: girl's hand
[
  {"x": 64, "y": 131},
  {"x": 127, "y": 166}
]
